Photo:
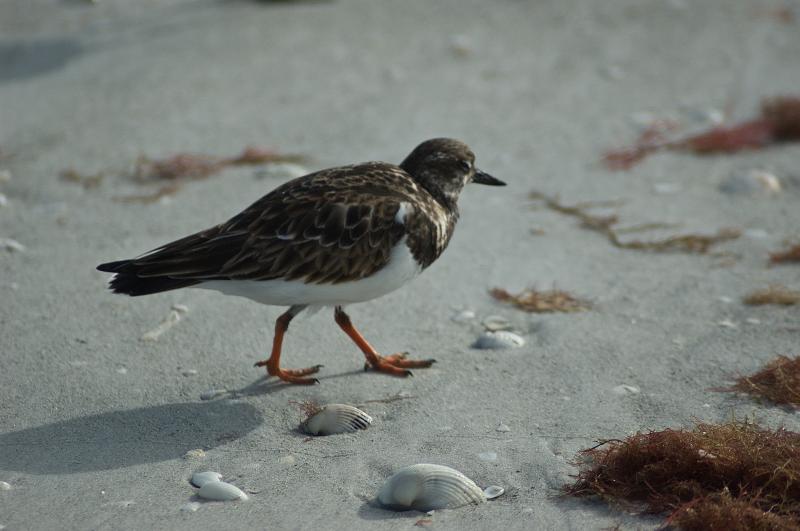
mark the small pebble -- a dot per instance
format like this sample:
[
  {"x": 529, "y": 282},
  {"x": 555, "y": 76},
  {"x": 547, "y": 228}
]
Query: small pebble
[
  {"x": 212, "y": 393},
  {"x": 493, "y": 323},
  {"x": 726, "y": 300},
  {"x": 493, "y": 491},
  {"x": 488, "y": 456},
  {"x": 190, "y": 507},
  {"x": 753, "y": 321},
  {"x": 502, "y": 428},
  {"x": 625, "y": 389},
  {"x": 727, "y": 323},
  {"x": 122, "y": 370},
  {"x": 501, "y": 339},
  {"x": 201, "y": 478},
  {"x": 122, "y": 503},
  {"x": 5, "y": 176},
  {"x": 463, "y": 316},
  {"x": 11, "y": 245},
  {"x": 197, "y": 453},
  {"x": 667, "y": 188},
  {"x": 221, "y": 491},
  {"x": 3, "y": 200},
  {"x": 189, "y": 372},
  {"x": 287, "y": 460},
  {"x": 5, "y": 485}
]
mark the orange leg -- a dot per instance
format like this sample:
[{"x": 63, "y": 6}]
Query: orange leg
[
  {"x": 396, "y": 364},
  {"x": 294, "y": 376}
]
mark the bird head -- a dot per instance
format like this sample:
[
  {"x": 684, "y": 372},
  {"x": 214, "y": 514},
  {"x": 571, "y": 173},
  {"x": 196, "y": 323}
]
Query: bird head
[{"x": 443, "y": 166}]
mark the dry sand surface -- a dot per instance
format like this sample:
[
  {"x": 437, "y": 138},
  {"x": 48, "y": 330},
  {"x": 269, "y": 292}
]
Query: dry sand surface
[{"x": 95, "y": 422}]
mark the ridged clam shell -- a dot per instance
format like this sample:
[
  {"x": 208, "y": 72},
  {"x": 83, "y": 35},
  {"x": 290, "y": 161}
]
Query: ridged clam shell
[
  {"x": 221, "y": 491},
  {"x": 336, "y": 418},
  {"x": 427, "y": 487},
  {"x": 499, "y": 340}
]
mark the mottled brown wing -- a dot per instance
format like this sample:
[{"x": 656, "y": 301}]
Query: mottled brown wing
[{"x": 332, "y": 226}]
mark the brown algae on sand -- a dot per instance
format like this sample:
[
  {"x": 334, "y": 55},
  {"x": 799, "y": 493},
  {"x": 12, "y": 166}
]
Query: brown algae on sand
[
  {"x": 534, "y": 301},
  {"x": 792, "y": 254},
  {"x": 779, "y": 295},
  {"x": 686, "y": 243},
  {"x": 778, "y": 382},
  {"x": 778, "y": 122},
  {"x": 736, "y": 475}
]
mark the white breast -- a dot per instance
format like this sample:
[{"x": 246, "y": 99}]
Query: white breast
[{"x": 401, "y": 268}]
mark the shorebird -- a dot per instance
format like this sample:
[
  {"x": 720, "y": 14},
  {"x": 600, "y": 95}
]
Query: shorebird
[{"x": 331, "y": 238}]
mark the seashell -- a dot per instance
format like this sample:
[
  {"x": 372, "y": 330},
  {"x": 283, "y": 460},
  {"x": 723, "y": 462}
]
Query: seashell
[
  {"x": 751, "y": 182},
  {"x": 201, "y": 478},
  {"x": 493, "y": 491},
  {"x": 495, "y": 323},
  {"x": 212, "y": 394},
  {"x": 463, "y": 316},
  {"x": 336, "y": 418},
  {"x": 4, "y": 485},
  {"x": 498, "y": 340},
  {"x": 427, "y": 487},
  {"x": 221, "y": 491},
  {"x": 625, "y": 389}
]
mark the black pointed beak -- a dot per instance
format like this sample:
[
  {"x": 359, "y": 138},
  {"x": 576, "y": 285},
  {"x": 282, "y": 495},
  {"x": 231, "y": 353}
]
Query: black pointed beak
[{"x": 484, "y": 178}]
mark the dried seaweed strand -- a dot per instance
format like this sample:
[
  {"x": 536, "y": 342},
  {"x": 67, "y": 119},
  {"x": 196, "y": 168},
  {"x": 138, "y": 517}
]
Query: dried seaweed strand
[
  {"x": 775, "y": 294},
  {"x": 791, "y": 254},
  {"x": 535, "y": 301},
  {"x": 688, "y": 243}
]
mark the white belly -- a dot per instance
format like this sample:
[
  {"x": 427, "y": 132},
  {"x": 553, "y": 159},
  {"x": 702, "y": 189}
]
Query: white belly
[{"x": 401, "y": 268}]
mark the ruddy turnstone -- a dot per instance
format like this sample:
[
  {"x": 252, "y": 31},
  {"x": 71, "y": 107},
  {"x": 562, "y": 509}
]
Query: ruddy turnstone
[{"x": 331, "y": 238}]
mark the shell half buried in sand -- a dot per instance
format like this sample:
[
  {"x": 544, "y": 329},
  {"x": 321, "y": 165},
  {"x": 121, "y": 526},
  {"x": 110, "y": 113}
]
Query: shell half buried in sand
[
  {"x": 429, "y": 487},
  {"x": 336, "y": 418}
]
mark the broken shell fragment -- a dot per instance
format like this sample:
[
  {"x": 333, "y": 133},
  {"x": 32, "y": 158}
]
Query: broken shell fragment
[
  {"x": 221, "y": 491},
  {"x": 336, "y": 418},
  {"x": 498, "y": 340},
  {"x": 427, "y": 487},
  {"x": 201, "y": 478}
]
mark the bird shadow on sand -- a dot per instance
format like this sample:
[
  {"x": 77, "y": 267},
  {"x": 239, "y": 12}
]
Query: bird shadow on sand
[
  {"x": 268, "y": 385},
  {"x": 125, "y": 438}
]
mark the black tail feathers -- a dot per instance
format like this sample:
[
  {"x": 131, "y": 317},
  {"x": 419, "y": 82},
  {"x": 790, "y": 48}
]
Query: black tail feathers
[{"x": 127, "y": 282}]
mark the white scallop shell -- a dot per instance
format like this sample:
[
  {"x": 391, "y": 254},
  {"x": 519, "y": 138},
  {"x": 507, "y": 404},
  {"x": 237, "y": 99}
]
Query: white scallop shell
[
  {"x": 427, "y": 487},
  {"x": 336, "y": 418},
  {"x": 499, "y": 340},
  {"x": 201, "y": 478},
  {"x": 221, "y": 491}
]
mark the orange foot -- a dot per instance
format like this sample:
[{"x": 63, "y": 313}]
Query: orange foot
[
  {"x": 397, "y": 364},
  {"x": 294, "y": 376}
]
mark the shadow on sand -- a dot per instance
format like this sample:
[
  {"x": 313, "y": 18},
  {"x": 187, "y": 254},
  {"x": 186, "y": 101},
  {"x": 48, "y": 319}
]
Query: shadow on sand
[{"x": 125, "y": 438}]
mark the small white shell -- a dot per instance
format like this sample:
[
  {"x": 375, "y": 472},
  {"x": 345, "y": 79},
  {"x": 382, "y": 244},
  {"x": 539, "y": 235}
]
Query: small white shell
[
  {"x": 221, "y": 491},
  {"x": 427, "y": 487},
  {"x": 494, "y": 323},
  {"x": 201, "y": 478},
  {"x": 493, "y": 491},
  {"x": 336, "y": 418},
  {"x": 498, "y": 340}
]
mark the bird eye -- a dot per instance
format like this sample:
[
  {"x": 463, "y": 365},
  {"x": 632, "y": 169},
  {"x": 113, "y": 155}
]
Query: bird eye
[{"x": 465, "y": 165}]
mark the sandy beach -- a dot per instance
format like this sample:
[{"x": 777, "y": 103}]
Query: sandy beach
[{"x": 96, "y": 423}]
